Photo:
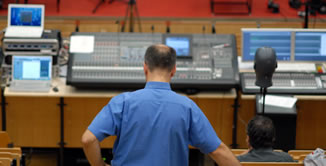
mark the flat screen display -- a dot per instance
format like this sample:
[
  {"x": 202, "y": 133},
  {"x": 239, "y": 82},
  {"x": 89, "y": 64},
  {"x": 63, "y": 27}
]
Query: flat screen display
[
  {"x": 310, "y": 46},
  {"x": 181, "y": 44},
  {"x": 26, "y": 16},
  {"x": 254, "y": 39},
  {"x": 32, "y": 68}
]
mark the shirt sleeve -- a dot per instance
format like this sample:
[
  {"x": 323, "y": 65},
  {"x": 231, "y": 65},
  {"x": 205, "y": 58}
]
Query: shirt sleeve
[
  {"x": 202, "y": 135},
  {"x": 108, "y": 121}
]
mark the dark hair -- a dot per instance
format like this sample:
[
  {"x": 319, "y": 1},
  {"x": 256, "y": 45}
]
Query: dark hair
[
  {"x": 261, "y": 132},
  {"x": 160, "y": 57}
]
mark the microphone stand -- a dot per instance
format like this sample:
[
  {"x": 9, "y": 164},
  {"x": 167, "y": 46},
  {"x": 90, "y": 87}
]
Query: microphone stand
[{"x": 263, "y": 92}]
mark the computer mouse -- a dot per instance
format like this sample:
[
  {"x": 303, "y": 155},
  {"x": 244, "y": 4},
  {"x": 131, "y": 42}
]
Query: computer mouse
[{"x": 55, "y": 89}]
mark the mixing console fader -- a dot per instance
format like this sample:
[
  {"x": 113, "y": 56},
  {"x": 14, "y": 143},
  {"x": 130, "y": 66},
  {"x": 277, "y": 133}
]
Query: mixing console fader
[{"x": 117, "y": 62}]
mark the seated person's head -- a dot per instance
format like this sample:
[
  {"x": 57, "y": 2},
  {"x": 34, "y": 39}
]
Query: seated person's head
[
  {"x": 261, "y": 132},
  {"x": 160, "y": 60}
]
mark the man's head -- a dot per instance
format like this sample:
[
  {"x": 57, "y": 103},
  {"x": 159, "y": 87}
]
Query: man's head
[
  {"x": 261, "y": 132},
  {"x": 160, "y": 61}
]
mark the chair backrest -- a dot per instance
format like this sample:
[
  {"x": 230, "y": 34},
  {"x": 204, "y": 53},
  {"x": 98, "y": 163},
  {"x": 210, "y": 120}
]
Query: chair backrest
[
  {"x": 241, "y": 151},
  {"x": 5, "y": 140},
  {"x": 271, "y": 164},
  {"x": 297, "y": 154},
  {"x": 238, "y": 151},
  {"x": 5, "y": 161},
  {"x": 11, "y": 156},
  {"x": 12, "y": 150}
]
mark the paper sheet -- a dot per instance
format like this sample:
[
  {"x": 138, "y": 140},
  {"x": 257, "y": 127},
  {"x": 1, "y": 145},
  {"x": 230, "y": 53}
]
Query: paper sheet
[
  {"x": 279, "y": 101},
  {"x": 81, "y": 44}
]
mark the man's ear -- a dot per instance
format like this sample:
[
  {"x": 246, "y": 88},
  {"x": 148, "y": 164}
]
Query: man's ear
[
  {"x": 145, "y": 68},
  {"x": 173, "y": 70}
]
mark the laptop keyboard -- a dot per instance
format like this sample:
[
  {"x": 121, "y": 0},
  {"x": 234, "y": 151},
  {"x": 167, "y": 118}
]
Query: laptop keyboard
[{"x": 23, "y": 32}]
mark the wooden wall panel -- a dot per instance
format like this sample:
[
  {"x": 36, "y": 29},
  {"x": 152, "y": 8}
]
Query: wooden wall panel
[
  {"x": 1, "y": 114},
  {"x": 190, "y": 27},
  {"x": 245, "y": 113},
  {"x": 220, "y": 114},
  {"x": 98, "y": 26},
  {"x": 311, "y": 126},
  {"x": 79, "y": 113},
  {"x": 33, "y": 122},
  {"x": 231, "y": 27},
  {"x": 280, "y": 24},
  {"x": 65, "y": 26}
]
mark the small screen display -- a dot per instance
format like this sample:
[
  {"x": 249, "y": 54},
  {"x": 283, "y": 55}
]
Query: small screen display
[
  {"x": 180, "y": 44},
  {"x": 32, "y": 68},
  {"x": 26, "y": 16}
]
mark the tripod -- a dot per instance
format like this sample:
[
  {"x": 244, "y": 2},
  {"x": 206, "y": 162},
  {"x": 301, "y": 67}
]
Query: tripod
[
  {"x": 99, "y": 4},
  {"x": 132, "y": 7}
]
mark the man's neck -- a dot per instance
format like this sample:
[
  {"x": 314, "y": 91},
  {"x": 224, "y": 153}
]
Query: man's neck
[{"x": 158, "y": 77}]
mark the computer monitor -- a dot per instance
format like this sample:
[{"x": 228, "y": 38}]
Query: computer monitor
[
  {"x": 31, "y": 73},
  {"x": 279, "y": 39},
  {"x": 310, "y": 45},
  {"x": 32, "y": 68},
  {"x": 181, "y": 43}
]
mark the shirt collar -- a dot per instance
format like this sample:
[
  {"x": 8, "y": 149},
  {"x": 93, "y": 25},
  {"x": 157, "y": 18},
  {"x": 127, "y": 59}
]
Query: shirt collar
[{"x": 158, "y": 85}]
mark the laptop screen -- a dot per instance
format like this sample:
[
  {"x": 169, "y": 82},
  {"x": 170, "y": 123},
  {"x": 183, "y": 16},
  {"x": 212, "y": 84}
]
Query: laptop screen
[
  {"x": 32, "y": 67},
  {"x": 26, "y": 15}
]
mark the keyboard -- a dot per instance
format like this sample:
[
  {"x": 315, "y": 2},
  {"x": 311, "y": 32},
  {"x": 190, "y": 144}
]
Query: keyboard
[
  {"x": 287, "y": 83},
  {"x": 23, "y": 32}
]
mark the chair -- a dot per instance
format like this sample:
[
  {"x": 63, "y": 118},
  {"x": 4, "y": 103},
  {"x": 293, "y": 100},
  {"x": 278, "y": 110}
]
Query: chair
[
  {"x": 296, "y": 154},
  {"x": 5, "y": 140},
  {"x": 6, "y": 161},
  {"x": 241, "y": 151},
  {"x": 12, "y": 150},
  {"x": 238, "y": 151},
  {"x": 271, "y": 164},
  {"x": 11, "y": 156},
  {"x": 231, "y": 6}
]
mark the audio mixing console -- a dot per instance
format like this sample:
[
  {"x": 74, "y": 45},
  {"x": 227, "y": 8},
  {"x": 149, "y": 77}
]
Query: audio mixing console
[{"x": 117, "y": 62}]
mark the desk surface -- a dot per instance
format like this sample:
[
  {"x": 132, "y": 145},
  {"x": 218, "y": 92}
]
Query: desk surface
[
  {"x": 70, "y": 91},
  {"x": 300, "y": 97}
]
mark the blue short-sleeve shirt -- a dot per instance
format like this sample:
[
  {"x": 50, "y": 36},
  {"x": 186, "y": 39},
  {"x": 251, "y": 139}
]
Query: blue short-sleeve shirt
[{"x": 154, "y": 126}]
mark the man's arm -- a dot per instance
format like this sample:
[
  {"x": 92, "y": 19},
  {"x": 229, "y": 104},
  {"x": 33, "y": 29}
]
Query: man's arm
[
  {"x": 224, "y": 157},
  {"x": 92, "y": 149}
]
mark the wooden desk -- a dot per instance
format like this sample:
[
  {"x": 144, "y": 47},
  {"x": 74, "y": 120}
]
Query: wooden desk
[{"x": 35, "y": 120}]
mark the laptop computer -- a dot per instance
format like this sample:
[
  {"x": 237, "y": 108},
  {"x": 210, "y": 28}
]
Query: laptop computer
[
  {"x": 31, "y": 73},
  {"x": 25, "y": 20}
]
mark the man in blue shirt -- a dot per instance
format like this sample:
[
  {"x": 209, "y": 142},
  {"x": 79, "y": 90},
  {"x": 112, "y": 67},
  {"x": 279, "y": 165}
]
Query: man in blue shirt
[{"x": 154, "y": 126}]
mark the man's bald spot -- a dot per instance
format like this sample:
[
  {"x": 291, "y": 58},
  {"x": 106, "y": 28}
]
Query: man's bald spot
[
  {"x": 161, "y": 48},
  {"x": 160, "y": 56}
]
